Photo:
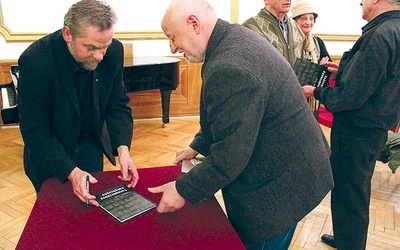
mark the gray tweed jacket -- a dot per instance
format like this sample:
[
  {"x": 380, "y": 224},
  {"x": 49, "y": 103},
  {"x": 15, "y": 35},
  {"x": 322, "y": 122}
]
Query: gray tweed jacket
[{"x": 264, "y": 148}]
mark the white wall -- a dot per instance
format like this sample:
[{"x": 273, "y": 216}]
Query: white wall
[{"x": 26, "y": 16}]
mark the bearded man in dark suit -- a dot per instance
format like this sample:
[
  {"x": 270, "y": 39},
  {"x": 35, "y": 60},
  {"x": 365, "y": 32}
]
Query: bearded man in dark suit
[{"x": 73, "y": 103}]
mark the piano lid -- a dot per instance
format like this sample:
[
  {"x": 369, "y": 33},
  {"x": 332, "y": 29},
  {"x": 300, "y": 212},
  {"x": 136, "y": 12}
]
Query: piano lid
[
  {"x": 148, "y": 73},
  {"x": 150, "y": 60}
]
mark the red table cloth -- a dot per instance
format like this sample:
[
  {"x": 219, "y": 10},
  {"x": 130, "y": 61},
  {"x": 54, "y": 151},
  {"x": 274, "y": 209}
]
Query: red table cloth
[{"x": 60, "y": 221}]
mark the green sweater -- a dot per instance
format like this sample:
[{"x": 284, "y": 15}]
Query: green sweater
[{"x": 391, "y": 152}]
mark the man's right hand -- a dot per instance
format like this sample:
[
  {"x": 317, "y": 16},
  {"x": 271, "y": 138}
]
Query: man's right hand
[
  {"x": 78, "y": 180},
  {"x": 184, "y": 154}
]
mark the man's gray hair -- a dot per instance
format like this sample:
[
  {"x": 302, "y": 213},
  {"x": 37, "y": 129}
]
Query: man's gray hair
[{"x": 89, "y": 13}]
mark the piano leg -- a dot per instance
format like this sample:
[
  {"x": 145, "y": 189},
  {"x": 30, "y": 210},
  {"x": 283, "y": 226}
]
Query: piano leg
[{"x": 165, "y": 101}]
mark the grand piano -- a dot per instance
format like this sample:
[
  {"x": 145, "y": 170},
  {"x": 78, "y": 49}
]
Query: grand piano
[{"x": 146, "y": 73}]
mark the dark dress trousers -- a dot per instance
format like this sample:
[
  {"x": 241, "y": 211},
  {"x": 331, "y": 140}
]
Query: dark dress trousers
[
  {"x": 50, "y": 119},
  {"x": 263, "y": 147}
]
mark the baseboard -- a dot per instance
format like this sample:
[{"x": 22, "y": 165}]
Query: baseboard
[{"x": 9, "y": 126}]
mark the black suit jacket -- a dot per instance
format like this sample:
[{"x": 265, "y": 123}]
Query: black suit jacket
[{"x": 49, "y": 108}]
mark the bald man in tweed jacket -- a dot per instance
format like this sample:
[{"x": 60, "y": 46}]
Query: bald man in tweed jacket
[{"x": 263, "y": 147}]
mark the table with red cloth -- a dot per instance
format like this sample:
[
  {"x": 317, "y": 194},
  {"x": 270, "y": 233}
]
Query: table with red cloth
[{"x": 60, "y": 221}]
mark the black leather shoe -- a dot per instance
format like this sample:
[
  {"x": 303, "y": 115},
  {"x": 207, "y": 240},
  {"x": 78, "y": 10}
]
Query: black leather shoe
[{"x": 329, "y": 240}]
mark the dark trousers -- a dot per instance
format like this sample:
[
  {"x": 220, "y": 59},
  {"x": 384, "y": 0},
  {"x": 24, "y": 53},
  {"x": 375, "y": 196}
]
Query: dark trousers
[
  {"x": 279, "y": 242},
  {"x": 353, "y": 161}
]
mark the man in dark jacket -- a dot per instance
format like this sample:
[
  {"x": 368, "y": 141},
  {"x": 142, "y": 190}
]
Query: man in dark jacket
[
  {"x": 72, "y": 101},
  {"x": 262, "y": 145},
  {"x": 365, "y": 105}
]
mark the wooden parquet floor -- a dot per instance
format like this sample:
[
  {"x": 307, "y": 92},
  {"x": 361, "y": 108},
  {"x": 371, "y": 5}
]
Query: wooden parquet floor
[{"x": 156, "y": 146}]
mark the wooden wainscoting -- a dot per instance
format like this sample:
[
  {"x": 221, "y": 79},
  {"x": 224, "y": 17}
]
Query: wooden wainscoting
[
  {"x": 336, "y": 59},
  {"x": 185, "y": 99},
  {"x": 147, "y": 104},
  {"x": 5, "y": 67}
]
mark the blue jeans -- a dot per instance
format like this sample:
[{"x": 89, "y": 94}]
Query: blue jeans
[{"x": 279, "y": 242}]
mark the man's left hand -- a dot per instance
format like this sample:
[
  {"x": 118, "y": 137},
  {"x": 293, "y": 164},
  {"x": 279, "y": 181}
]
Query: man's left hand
[
  {"x": 128, "y": 168},
  {"x": 171, "y": 200}
]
